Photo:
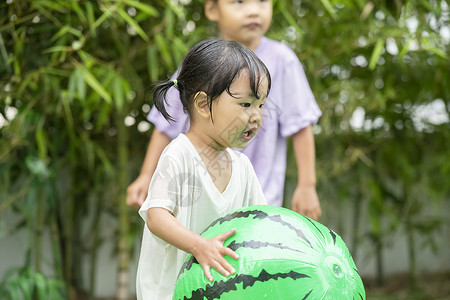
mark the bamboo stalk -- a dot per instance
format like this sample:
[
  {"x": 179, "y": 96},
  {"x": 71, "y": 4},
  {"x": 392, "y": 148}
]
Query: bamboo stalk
[
  {"x": 95, "y": 245},
  {"x": 68, "y": 245},
  {"x": 412, "y": 254},
  {"x": 39, "y": 229},
  {"x": 356, "y": 221},
  {"x": 379, "y": 257},
  {"x": 413, "y": 275},
  {"x": 124, "y": 253}
]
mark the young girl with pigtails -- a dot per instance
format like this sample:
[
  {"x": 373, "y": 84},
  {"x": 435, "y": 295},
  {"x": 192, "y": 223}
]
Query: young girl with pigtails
[{"x": 222, "y": 86}]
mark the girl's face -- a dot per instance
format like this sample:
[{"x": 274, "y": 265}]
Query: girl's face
[
  {"x": 237, "y": 118},
  {"x": 244, "y": 21}
]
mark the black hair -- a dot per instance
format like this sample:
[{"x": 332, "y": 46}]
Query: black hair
[{"x": 211, "y": 66}]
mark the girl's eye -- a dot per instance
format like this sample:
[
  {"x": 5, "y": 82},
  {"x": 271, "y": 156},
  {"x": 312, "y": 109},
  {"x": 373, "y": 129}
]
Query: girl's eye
[
  {"x": 245, "y": 104},
  {"x": 261, "y": 105}
]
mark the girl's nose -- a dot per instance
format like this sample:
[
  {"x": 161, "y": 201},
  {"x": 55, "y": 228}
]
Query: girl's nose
[
  {"x": 252, "y": 8},
  {"x": 255, "y": 115}
]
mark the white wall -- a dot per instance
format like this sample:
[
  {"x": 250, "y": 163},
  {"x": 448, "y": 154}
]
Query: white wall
[{"x": 13, "y": 247}]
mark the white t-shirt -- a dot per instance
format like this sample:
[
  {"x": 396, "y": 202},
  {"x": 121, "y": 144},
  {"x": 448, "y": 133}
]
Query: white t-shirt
[{"x": 182, "y": 185}]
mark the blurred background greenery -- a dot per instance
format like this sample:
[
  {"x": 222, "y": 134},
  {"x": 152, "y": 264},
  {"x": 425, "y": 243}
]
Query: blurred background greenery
[{"x": 75, "y": 77}]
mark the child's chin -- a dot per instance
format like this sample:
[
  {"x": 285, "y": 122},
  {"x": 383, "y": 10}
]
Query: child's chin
[{"x": 242, "y": 145}]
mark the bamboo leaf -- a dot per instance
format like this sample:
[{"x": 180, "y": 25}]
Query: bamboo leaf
[
  {"x": 68, "y": 116},
  {"x": 108, "y": 11},
  {"x": 291, "y": 20},
  {"x": 126, "y": 90},
  {"x": 26, "y": 286},
  {"x": 4, "y": 54},
  {"x": 178, "y": 10},
  {"x": 360, "y": 3},
  {"x": 76, "y": 83},
  {"x": 133, "y": 24},
  {"x": 90, "y": 14},
  {"x": 88, "y": 149},
  {"x": 405, "y": 49},
  {"x": 180, "y": 49},
  {"x": 57, "y": 49},
  {"x": 41, "y": 139},
  {"x": 329, "y": 8},
  {"x": 49, "y": 6},
  {"x": 41, "y": 286},
  {"x": 80, "y": 84},
  {"x": 103, "y": 116},
  {"x": 376, "y": 54},
  {"x": 54, "y": 71},
  {"x": 164, "y": 50},
  {"x": 80, "y": 13},
  {"x": 149, "y": 10},
  {"x": 152, "y": 63},
  {"x": 438, "y": 52},
  {"x": 87, "y": 58},
  {"x": 64, "y": 30},
  {"x": 55, "y": 289},
  {"x": 95, "y": 85},
  {"x": 14, "y": 290},
  {"x": 169, "y": 22},
  {"x": 109, "y": 169},
  {"x": 118, "y": 92}
]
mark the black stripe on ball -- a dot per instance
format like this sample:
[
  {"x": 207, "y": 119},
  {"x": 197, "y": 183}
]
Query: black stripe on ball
[
  {"x": 307, "y": 295},
  {"x": 258, "y": 214},
  {"x": 333, "y": 235},
  {"x": 215, "y": 290},
  {"x": 310, "y": 221},
  {"x": 257, "y": 244}
]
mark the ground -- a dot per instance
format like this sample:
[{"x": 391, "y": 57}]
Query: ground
[{"x": 398, "y": 287}]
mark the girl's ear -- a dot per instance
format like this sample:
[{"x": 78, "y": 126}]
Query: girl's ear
[
  {"x": 201, "y": 105},
  {"x": 211, "y": 10}
]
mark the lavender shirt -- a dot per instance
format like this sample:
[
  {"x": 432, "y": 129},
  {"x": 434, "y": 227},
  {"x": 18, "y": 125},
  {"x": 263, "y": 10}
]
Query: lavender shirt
[{"x": 290, "y": 107}]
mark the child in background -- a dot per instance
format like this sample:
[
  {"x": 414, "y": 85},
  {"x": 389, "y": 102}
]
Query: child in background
[
  {"x": 290, "y": 111},
  {"x": 223, "y": 86}
]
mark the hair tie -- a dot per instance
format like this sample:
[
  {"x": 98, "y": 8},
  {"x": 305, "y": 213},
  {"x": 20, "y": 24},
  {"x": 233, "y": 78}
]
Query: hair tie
[{"x": 175, "y": 82}]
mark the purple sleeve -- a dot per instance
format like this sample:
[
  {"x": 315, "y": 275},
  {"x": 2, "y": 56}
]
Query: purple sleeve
[
  {"x": 299, "y": 108},
  {"x": 175, "y": 109}
]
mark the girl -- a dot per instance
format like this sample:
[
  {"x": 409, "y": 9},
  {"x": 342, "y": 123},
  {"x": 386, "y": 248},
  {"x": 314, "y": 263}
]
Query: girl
[
  {"x": 290, "y": 111},
  {"x": 223, "y": 86}
]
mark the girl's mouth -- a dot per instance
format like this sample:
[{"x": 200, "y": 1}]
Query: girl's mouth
[
  {"x": 248, "y": 135},
  {"x": 252, "y": 26}
]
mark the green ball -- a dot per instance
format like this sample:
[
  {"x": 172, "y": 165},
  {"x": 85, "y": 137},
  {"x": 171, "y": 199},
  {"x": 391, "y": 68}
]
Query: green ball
[{"x": 283, "y": 255}]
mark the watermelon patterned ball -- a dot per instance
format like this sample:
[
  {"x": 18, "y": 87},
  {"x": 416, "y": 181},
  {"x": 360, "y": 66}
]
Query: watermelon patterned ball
[{"x": 283, "y": 255}]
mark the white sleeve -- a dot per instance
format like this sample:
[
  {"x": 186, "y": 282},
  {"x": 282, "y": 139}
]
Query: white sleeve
[{"x": 163, "y": 191}]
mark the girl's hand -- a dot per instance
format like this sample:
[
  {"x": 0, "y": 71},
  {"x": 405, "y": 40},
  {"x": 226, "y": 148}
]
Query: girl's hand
[
  {"x": 306, "y": 202},
  {"x": 137, "y": 191},
  {"x": 210, "y": 253}
]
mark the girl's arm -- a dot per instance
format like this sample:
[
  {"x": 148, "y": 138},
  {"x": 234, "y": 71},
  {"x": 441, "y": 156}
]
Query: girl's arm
[
  {"x": 305, "y": 199},
  {"x": 208, "y": 252}
]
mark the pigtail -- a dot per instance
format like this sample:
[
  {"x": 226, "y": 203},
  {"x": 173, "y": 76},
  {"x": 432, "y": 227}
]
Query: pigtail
[{"x": 159, "y": 97}]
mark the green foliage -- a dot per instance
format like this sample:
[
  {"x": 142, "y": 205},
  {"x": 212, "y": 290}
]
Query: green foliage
[
  {"x": 25, "y": 283},
  {"x": 386, "y": 62},
  {"x": 68, "y": 69},
  {"x": 71, "y": 72}
]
